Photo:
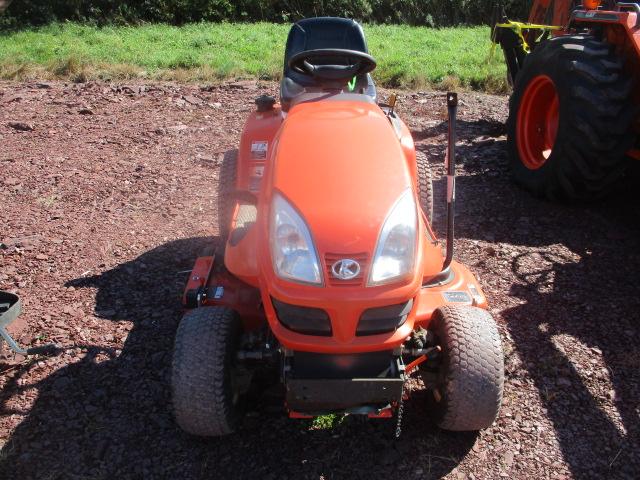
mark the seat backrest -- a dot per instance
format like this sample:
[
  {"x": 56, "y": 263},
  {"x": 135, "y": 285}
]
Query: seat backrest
[
  {"x": 324, "y": 32},
  {"x": 317, "y": 33}
]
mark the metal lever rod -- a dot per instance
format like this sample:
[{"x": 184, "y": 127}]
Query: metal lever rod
[{"x": 452, "y": 107}]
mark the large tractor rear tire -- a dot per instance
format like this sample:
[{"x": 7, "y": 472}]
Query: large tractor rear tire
[{"x": 570, "y": 120}]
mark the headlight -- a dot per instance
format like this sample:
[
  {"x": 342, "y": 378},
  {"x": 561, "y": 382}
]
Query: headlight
[
  {"x": 292, "y": 252},
  {"x": 396, "y": 248}
]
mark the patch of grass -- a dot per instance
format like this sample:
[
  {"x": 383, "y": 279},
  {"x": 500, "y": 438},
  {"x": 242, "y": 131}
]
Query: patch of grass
[
  {"x": 48, "y": 201},
  {"x": 408, "y": 57},
  {"x": 327, "y": 422}
]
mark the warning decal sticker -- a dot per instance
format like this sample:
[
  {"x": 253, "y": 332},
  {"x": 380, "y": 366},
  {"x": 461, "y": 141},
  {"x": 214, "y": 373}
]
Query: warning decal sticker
[
  {"x": 456, "y": 297},
  {"x": 259, "y": 150}
]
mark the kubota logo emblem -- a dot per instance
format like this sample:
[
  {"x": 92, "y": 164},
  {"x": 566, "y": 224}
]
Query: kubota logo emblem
[{"x": 345, "y": 269}]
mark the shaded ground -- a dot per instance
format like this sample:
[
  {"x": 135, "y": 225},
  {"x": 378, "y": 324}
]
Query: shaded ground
[{"x": 110, "y": 196}]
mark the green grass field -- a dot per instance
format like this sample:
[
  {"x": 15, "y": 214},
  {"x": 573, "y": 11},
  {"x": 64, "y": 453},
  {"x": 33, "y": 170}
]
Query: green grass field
[{"x": 408, "y": 57}]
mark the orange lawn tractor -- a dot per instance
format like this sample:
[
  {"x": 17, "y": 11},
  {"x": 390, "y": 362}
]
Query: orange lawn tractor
[
  {"x": 573, "y": 121},
  {"x": 330, "y": 272}
]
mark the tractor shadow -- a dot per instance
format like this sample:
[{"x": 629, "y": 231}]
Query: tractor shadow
[
  {"x": 578, "y": 300},
  {"x": 571, "y": 319},
  {"x": 108, "y": 414},
  {"x": 467, "y": 130},
  {"x": 91, "y": 416}
]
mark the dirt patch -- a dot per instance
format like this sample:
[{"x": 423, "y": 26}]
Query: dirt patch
[{"x": 107, "y": 194}]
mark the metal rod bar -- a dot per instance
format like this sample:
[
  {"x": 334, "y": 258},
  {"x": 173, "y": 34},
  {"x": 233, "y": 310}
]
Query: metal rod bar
[
  {"x": 12, "y": 343},
  {"x": 452, "y": 106}
]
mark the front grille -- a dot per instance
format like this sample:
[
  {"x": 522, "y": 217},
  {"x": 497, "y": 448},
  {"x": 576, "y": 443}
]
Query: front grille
[
  {"x": 383, "y": 319},
  {"x": 306, "y": 320},
  {"x": 331, "y": 258}
]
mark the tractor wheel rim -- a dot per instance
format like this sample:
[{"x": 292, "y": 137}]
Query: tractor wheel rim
[{"x": 537, "y": 125}]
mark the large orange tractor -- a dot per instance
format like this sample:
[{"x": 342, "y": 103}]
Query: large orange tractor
[{"x": 573, "y": 121}]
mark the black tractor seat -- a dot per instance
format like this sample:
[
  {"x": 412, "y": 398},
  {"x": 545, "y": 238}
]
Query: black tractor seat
[{"x": 322, "y": 33}]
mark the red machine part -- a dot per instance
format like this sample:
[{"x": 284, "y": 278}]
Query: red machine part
[
  {"x": 246, "y": 300},
  {"x": 538, "y": 122},
  {"x": 256, "y": 145},
  {"x": 560, "y": 14},
  {"x": 221, "y": 288}
]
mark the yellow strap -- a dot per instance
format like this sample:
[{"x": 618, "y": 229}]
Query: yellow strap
[{"x": 518, "y": 27}]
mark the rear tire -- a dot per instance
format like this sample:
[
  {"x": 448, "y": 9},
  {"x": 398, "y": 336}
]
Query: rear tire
[
  {"x": 425, "y": 184},
  {"x": 205, "y": 400},
  {"x": 580, "y": 153},
  {"x": 468, "y": 393},
  {"x": 226, "y": 186}
]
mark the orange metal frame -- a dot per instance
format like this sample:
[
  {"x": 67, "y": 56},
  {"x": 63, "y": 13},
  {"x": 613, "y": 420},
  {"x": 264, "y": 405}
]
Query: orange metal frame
[{"x": 540, "y": 11}]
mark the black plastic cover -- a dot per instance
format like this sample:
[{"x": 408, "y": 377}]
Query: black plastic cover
[
  {"x": 306, "y": 320},
  {"x": 345, "y": 365},
  {"x": 334, "y": 395},
  {"x": 265, "y": 103},
  {"x": 383, "y": 319}
]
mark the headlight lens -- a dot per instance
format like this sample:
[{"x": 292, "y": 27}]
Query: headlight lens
[
  {"x": 396, "y": 248},
  {"x": 293, "y": 254}
]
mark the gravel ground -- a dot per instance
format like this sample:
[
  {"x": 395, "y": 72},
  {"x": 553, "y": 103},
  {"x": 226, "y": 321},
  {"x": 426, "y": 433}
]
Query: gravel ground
[{"x": 107, "y": 194}]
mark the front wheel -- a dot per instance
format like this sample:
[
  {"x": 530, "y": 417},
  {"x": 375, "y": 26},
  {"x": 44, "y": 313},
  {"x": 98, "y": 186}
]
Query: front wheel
[
  {"x": 206, "y": 397},
  {"x": 468, "y": 391}
]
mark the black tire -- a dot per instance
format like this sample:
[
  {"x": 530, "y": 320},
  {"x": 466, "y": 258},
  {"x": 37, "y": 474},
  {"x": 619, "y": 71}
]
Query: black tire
[
  {"x": 204, "y": 400},
  {"x": 468, "y": 393},
  {"x": 226, "y": 186},
  {"x": 594, "y": 121},
  {"x": 425, "y": 184}
]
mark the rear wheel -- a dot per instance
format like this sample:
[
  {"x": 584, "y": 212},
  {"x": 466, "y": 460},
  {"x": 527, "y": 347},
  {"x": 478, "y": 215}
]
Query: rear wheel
[
  {"x": 425, "y": 184},
  {"x": 226, "y": 186},
  {"x": 206, "y": 397},
  {"x": 570, "y": 119},
  {"x": 468, "y": 391}
]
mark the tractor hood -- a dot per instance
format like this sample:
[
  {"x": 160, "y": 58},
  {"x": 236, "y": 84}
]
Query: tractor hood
[{"x": 340, "y": 164}]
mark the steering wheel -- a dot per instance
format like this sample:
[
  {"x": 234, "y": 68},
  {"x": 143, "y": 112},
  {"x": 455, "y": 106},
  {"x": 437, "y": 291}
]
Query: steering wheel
[{"x": 302, "y": 62}]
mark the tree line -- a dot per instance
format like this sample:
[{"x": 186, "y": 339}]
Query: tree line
[{"x": 434, "y": 13}]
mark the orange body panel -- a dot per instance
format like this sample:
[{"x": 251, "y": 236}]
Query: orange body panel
[
  {"x": 409, "y": 149},
  {"x": 199, "y": 276},
  {"x": 626, "y": 20},
  {"x": 625, "y": 32},
  {"x": 241, "y": 259},
  {"x": 232, "y": 292},
  {"x": 259, "y": 131},
  {"x": 344, "y": 188},
  {"x": 342, "y": 165},
  {"x": 345, "y": 309}
]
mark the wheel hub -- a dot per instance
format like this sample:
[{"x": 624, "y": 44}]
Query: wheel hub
[{"x": 537, "y": 125}]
